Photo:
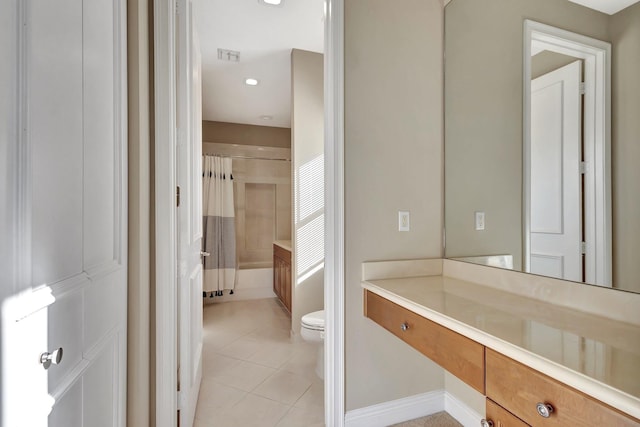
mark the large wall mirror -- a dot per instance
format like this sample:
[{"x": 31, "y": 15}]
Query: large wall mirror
[{"x": 542, "y": 137}]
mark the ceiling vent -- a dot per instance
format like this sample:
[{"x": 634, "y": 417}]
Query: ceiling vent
[{"x": 228, "y": 55}]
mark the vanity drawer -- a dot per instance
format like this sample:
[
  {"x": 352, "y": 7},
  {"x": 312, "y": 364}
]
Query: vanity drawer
[
  {"x": 520, "y": 388},
  {"x": 457, "y": 354},
  {"x": 500, "y": 417}
]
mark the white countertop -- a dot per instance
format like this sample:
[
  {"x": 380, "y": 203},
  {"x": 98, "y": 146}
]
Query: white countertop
[
  {"x": 596, "y": 355},
  {"x": 284, "y": 244}
]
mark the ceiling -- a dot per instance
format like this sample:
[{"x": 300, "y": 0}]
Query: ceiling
[
  {"x": 264, "y": 36},
  {"x": 607, "y": 6}
]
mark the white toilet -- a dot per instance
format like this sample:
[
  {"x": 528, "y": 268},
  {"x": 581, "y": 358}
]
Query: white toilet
[{"x": 312, "y": 330}]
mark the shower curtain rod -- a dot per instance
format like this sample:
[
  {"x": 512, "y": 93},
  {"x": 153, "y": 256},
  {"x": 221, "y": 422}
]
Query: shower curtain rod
[{"x": 247, "y": 157}]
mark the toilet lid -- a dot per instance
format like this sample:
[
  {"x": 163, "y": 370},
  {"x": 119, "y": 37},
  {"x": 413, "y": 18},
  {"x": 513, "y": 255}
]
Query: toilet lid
[{"x": 313, "y": 320}]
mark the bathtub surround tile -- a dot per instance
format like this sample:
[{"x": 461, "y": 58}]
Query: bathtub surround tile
[{"x": 254, "y": 373}]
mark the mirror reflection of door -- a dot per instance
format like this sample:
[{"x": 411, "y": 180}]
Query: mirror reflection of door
[
  {"x": 556, "y": 182},
  {"x": 567, "y": 155}
]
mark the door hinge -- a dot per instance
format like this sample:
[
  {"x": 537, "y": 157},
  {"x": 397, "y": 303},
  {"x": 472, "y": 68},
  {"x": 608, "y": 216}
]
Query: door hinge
[
  {"x": 583, "y": 88},
  {"x": 181, "y": 400},
  {"x": 583, "y": 248},
  {"x": 178, "y": 196},
  {"x": 583, "y": 167}
]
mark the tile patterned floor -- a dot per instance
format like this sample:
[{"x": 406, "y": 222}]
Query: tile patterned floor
[
  {"x": 253, "y": 374},
  {"x": 440, "y": 419}
]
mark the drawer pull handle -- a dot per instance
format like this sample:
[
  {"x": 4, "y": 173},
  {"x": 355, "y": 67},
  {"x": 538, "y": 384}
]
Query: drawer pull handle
[
  {"x": 486, "y": 423},
  {"x": 55, "y": 357},
  {"x": 544, "y": 410},
  {"x": 404, "y": 326}
]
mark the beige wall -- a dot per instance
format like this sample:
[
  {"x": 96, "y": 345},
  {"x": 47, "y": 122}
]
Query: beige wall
[
  {"x": 625, "y": 147},
  {"x": 393, "y": 161},
  {"x": 307, "y": 131},
  {"x": 483, "y": 152},
  {"x": 234, "y": 133}
]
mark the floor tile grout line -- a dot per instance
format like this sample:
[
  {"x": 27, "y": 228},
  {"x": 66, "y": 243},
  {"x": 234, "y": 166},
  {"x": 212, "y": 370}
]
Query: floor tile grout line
[{"x": 269, "y": 335}]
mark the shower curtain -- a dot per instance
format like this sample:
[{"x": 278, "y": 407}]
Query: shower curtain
[{"x": 219, "y": 235}]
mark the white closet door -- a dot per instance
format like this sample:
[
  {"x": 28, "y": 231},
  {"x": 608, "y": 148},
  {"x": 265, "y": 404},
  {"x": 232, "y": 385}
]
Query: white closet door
[{"x": 69, "y": 291}]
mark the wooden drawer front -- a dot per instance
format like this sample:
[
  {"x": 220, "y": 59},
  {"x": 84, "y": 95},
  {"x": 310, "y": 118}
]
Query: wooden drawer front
[
  {"x": 282, "y": 253},
  {"x": 457, "y": 354},
  {"x": 501, "y": 417},
  {"x": 519, "y": 388}
]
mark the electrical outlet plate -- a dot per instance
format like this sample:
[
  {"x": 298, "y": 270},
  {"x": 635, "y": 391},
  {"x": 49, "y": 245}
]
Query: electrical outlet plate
[{"x": 404, "y": 221}]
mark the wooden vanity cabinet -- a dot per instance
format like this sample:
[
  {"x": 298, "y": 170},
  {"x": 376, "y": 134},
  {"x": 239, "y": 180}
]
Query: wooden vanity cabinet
[
  {"x": 282, "y": 275},
  {"x": 513, "y": 390},
  {"x": 500, "y": 417},
  {"x": 457, "y": 354},
  {"x": 520, "y": 389}
]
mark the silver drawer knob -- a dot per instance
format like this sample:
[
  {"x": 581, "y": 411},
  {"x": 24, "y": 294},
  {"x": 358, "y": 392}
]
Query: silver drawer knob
[
  {"x": 544, "y": 409},
  {"x": 486, "y": 423},
  {"x": 47, "y": 359},
  {"x": 404, "y": 326}
]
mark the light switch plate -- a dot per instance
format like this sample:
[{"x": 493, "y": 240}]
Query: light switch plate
[
  {"x": 479, "y": 220},
  {"x": 404, "y": 221}
]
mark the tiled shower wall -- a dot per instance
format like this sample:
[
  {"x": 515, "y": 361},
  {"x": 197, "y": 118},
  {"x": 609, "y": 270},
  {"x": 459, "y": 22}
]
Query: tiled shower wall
[{"x": 262, "y": 199}]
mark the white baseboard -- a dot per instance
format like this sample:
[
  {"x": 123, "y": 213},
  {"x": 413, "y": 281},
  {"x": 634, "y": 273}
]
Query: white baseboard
[
  {"x": 409, "y": 408},
  {"x": 460, "y": 411},
  {"x": 396, "y": 411}
]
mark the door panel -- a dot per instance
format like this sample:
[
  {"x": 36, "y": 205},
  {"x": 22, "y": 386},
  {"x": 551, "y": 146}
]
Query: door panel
[
  {"x": 68, "y": 408},
  {"x": 70, "y": 222},
  {"x": 555, "y": 186},
  {"x": 189, "y": 215},
  {"x": 54, "y": 95},
  {"x": 98, "y": 127}
]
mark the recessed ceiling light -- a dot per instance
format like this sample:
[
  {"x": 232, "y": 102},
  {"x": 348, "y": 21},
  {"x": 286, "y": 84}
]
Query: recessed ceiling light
[
  {"x": 271, "y": 2},
  {"x": 251, "y": 82},
  {"x": 266, "y": 117}
]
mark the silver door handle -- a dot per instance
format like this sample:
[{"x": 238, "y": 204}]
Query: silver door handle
[
  {"x": 203, "y": 253},
  {"x": 47, "y": 359}
]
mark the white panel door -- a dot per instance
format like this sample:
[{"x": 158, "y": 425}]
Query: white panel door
[
  {"x": 555, "y": 186},
  {"x": 67, "y": 205},
  {"x": 189, "y": 178}
]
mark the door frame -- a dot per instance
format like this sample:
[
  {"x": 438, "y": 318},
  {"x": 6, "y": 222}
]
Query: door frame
[
  {"x": 166, "y": 292},
  {"x": 597, "y": 142},
  {"x": 166, "y": 320}
]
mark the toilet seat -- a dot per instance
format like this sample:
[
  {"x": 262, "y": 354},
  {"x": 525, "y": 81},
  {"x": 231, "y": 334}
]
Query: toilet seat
[{"x": 313, "y": 321}]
